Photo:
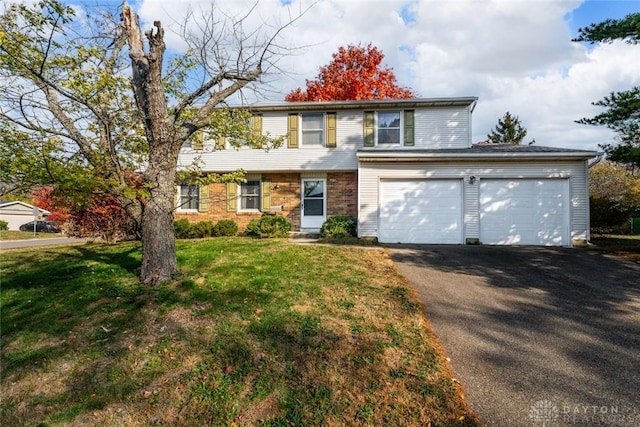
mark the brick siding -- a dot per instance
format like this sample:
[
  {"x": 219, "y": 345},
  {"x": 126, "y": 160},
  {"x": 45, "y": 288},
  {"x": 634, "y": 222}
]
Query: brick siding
[
  {"x": 342, "y": 190},
  {"x": 342, "y": 193}
]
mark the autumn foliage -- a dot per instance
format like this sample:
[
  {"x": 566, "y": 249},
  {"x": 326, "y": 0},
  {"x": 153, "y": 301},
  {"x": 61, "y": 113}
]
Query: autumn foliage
[
  {"x": 100, "y": 215},
  {"x": 44, "y": 198},
  {"x": 354, "y": 73}
]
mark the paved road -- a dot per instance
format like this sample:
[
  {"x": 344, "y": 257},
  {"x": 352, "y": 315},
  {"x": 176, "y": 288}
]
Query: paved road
[
  {"x": 536, "y": 336},
  {"x": 18, "y": 244}
]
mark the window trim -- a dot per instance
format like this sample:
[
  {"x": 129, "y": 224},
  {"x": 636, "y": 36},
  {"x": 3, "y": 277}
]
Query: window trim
[
  {"x": 400, "y": 128},
  {"x": 240, "y": 196},
  {"x": 180, "y": 207},
  {"x": 322, "y": 129}
]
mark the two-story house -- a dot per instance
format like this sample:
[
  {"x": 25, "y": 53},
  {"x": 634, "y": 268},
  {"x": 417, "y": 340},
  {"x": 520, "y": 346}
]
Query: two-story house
[{"x": 406, "y": 169}]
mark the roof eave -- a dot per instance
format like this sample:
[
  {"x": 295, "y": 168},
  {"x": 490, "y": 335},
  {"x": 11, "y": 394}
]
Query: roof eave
[
  {"x": 468, "y": 101},
  {"x": 371, "y": 156}
]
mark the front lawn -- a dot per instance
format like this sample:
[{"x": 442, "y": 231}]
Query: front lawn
[
  {"x": 626, "y": 246},
  {"x": 26, "y": 235},
  {"x": 254, "y": 332}
]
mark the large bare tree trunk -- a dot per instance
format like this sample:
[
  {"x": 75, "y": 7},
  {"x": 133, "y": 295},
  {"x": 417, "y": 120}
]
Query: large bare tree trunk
[
  {"x": 166, "y": 131},
  {"x": 158, "y": 240},
  {"x": 159, "y": 261}
]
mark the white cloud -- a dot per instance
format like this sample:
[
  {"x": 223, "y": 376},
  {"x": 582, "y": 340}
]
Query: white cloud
[{"x": 515, "y": 56}]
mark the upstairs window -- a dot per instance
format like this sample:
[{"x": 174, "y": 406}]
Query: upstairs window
[
  {"x": 315, "y": 130},
  {"x": 312, "y": 130},
  {"x": 388, "y": 128}
]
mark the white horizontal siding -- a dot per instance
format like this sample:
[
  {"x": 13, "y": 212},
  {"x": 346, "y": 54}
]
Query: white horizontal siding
[
  {"x": 274, "y": 160},
  {"x": 442, "y": 128},
  {"x": 434, "y": 128},
  {"x": 350, "y": 129},
  {"x": 275, "y": 124},
  {"x": 471, "y": 205},
  {"x": 370, "y": 174},
  {"x": 342, "y": 157},
  {"x": 580, "y": 205}
]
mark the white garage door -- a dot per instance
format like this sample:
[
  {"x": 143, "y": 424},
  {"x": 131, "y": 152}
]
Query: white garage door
[
  {"x": 421, "y": 211},
  {"x": 524, "y": 212}
]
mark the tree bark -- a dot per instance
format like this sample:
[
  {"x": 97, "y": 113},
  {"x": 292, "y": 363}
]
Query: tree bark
[{"x": 159, "y": 261}]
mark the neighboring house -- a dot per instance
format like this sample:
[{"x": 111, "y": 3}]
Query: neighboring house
[
  {"x": 18, "y": 213},
  {"x": 406, "y": 169}
]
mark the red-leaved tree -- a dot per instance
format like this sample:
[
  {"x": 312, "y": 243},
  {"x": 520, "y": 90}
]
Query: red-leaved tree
[
  {"x": 354, "y": 74},
  {"x": 102, "y": 216},
  {"x": 45, "y": 198}
]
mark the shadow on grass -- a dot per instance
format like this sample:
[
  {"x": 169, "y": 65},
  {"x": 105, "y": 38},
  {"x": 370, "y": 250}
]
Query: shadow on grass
[
  {"x": 48, "y": 294},
  {"x": 208, "y": 350},
  {"x": 46, "y": 266}
]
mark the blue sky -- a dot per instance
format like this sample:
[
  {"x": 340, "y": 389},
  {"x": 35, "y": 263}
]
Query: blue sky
[{"x": 593, "y": 11}]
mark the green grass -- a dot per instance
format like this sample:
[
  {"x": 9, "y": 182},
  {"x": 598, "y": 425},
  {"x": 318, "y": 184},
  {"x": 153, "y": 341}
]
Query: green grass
[
  {"x": 26, "y": 235},
  {"x": 627, "y": 246},
  {"x": 253, "y": 332}
]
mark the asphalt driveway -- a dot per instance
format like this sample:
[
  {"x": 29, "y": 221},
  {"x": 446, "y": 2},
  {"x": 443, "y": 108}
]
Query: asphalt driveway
[{"x": 536, "y": 336}]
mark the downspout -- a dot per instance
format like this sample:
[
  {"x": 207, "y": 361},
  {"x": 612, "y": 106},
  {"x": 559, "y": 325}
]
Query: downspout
[
  {"x": 471, "y": 108},
  {"x": 598, "y": 159}
]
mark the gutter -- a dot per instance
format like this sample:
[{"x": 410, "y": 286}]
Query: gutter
[
  {"x": 413, "y": 156},
  {"x": 365, "y": 105}
]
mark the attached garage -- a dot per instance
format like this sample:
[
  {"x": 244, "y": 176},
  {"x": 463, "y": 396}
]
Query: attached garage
[
  {"x": 525, "y": 212},
  {"x": 489, "y": 194},
  {"x": 421, "y": 211}
]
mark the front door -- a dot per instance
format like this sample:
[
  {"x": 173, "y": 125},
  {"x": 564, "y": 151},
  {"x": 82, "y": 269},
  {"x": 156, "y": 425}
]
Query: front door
[{"x": 313, "y": 207}]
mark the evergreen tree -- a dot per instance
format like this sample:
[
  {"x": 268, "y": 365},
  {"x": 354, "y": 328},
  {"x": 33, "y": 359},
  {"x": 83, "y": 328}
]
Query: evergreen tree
[
  {"x": 623, "y": 108},
  {"x": 507, "y": 131}
]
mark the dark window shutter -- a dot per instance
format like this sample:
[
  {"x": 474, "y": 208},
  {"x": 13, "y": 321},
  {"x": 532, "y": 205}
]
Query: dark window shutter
[
  {"x": 369, "y": 129},
  {"x": 409, "y": 128}
]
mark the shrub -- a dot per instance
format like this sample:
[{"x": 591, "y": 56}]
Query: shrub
[
  {"x": 102, "y": 216},
  {"x": 269, "y": 226},
  {"x": 202, "y": 229},
  {"x": 182, "y": 229},
  {"x": 225, "y": 227},
  {"x": 614, "y": 196},
  {"x": 4, "y": 225},
  {"x": 339, "y": 226}
]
